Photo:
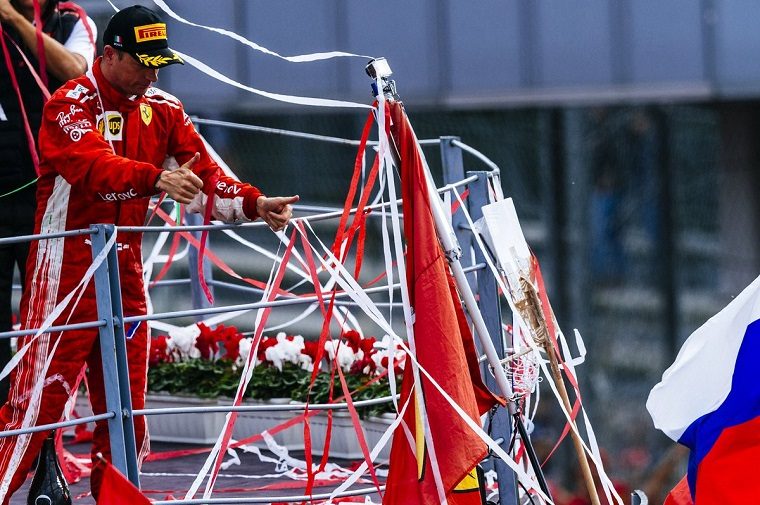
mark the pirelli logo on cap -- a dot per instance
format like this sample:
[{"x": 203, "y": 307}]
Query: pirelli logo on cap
[{"x": 144, "y": 33}]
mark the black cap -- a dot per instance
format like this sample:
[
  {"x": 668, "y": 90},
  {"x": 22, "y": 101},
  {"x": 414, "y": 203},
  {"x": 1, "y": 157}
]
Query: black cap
[{"x": 140, "y": 32}]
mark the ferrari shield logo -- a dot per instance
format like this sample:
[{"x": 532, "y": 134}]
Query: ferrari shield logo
[{"x": 146, "y": 113}]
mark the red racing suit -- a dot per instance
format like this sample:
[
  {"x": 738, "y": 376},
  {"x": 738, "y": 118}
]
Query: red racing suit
[{"x": 101, "y": 155}]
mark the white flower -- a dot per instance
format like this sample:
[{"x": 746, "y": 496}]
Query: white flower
[
  {"x": 305, "y": 362},
  {"x": 383, "y": 352},
  {"x": 384, "y": 342},
  {"x": 285, "y": 351},
  {"x": 346, "y": 356},
  {"x": 181, "y": 342},
  {"x": 244, "y": 349},
  {"x": 378, "y": 359}
]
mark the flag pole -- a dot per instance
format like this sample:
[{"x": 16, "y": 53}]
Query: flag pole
[
  {"x": 530, "y": 309},
  {"x": 379, "y": 70}
]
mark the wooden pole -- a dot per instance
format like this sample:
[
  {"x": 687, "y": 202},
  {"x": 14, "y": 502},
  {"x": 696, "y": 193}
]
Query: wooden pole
[
  {"x": 577, "y": 443},
  {"x": 530, "y": 309}
]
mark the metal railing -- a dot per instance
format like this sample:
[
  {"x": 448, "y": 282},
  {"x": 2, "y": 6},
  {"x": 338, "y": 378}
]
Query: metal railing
[{"x": 111, "y": 321}]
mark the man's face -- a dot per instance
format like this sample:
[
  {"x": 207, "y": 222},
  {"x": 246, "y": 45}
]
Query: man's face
[{"x": 129, "y": 77}]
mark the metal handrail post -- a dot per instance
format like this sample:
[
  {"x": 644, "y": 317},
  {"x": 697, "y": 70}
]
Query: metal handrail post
[
  {"x": 453, "y": 170},
  {"x": 113, "y": 350},
  {"x": 488, "y": 301}
]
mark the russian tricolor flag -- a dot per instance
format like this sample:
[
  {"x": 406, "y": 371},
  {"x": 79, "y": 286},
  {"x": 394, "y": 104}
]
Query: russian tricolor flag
[{"x": 709, "y": 401}]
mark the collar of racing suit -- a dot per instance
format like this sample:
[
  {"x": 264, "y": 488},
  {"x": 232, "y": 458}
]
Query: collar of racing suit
[{"x": 110, "y": 95}]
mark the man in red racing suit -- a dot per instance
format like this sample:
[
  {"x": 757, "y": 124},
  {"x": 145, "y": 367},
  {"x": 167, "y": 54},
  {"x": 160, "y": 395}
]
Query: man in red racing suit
[{"x": 103, "y": 141}]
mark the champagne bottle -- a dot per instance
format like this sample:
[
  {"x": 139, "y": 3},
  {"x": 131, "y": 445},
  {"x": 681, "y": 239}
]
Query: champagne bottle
[{"x": 49, "y": 486}]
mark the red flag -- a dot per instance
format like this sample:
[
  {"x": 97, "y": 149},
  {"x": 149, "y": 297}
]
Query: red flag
[
  {"x": 680, "y": 495},
  {"x": 115, "y": 489},
  {"x": 445, "y": 349}
]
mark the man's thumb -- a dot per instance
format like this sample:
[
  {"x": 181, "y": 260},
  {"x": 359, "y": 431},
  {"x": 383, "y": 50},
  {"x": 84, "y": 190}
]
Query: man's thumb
[{"x": 193, "y": 160}]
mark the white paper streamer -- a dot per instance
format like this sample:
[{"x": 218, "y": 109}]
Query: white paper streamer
[
  {"x": 298, "y": 100},
  {"x": 227, "y": 33}
]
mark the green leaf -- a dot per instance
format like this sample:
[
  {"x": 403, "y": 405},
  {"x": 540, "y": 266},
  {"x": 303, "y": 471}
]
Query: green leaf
[{"x": 212, "y": 379}]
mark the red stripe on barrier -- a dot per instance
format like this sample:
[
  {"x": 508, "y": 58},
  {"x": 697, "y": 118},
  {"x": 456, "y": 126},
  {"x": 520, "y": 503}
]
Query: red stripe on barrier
[{"x": 327, "y": 314}]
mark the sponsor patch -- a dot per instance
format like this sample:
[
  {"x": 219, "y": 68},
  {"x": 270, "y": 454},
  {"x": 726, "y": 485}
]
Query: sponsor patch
[
  {"x": 156, "y": 31},
  {"x": 118, "y": 196},
  {"x": 228, "y": 189},
  {"x": 146, "y": 113},
  {"x": 76, "y": 129},
  {"x": 114, "y": 124},
  {"x": 71, "y": 125},
  {"x": 76, "y": 92},
  {"x": 110, "y": 125},
  {"x": 65, "y": 118}
]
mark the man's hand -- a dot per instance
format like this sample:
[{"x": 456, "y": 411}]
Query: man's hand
[
  {"x": 61, "y": 63},
  {"x": 276, "y": 211},
  {"x": 181, "y": 184}
]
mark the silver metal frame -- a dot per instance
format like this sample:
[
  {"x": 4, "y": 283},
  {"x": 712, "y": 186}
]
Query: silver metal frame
[{"x": 111, "y": 323}]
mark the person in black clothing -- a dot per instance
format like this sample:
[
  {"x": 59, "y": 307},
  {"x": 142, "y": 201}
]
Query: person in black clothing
[{"x": 68, "y": 37}]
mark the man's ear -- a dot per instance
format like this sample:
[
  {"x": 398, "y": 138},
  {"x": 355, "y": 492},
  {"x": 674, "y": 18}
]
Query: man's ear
[{"x": 109, "y": 53}]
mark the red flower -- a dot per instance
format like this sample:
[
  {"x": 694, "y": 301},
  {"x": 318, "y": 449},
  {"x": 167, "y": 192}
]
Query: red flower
[
  {"x": 367, "y": 345},
  {"x": 359, "y": 366},
  {"x": 230, "y": 338},
  {"x": 158, "y": 351},
  {"x": 206, "y": 342},
  {"x": 353, "y": 339},
  {"x": 264, "y": 344},
  {"x": 311, "y": 349}
]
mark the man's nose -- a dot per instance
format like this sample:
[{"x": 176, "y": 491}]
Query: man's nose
[{"x": 152, "y": 74}]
